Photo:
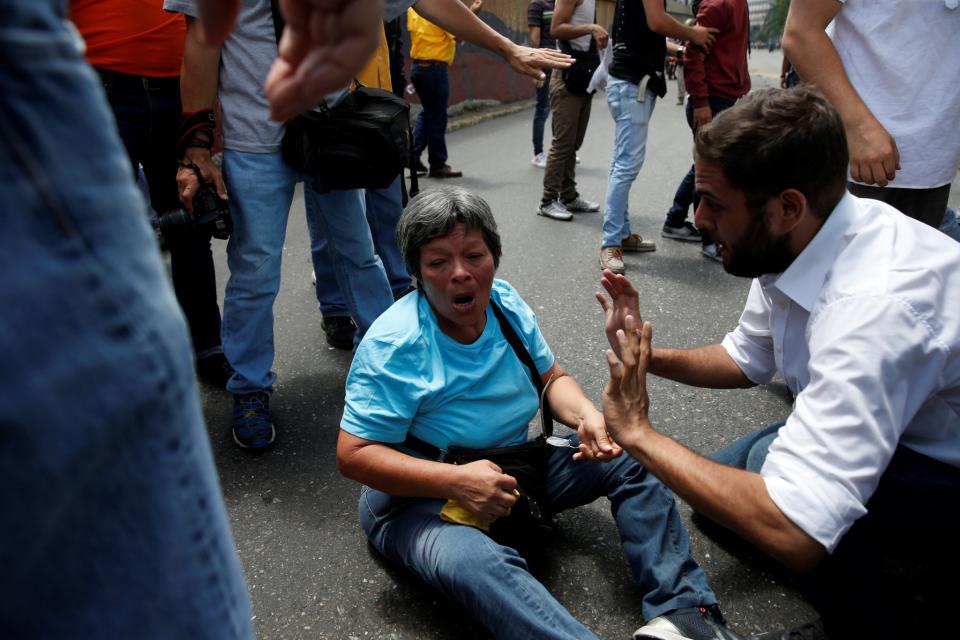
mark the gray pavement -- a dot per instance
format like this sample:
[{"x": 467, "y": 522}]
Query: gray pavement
[{"x": 308, "y": 567}]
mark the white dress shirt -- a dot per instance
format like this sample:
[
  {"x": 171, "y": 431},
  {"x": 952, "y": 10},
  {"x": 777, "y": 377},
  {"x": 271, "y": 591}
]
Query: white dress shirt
[{"x": 864, "y": 326}]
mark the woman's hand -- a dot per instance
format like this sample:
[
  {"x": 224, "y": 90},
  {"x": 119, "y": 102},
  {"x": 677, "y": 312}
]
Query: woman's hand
[
  {"x": 596, "y": 445},
  {"x": 625, "y": 401},
  {"x": 483, "y": 489},
  {"x": 624, "y": 301}
]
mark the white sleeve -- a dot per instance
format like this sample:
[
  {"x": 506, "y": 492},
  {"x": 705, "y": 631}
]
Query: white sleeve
[
  {"x": 750, "y": 345},
  {"x": 873, "y": 363}
]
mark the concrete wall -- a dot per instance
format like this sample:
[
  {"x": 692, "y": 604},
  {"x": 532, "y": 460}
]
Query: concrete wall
[{"x": 477, "y": 74}]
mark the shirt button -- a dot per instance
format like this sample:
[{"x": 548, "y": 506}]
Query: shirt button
[{"x": 783, "y": 306}]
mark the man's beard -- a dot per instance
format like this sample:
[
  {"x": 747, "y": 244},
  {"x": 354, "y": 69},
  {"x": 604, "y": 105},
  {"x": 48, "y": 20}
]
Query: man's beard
[{"x": 757, "y": 252}]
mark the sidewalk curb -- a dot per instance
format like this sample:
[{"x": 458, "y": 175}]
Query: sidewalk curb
[{"x": 489, "y": 114}]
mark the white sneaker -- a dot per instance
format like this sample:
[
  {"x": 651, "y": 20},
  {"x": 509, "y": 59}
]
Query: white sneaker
[
  {"x": 711, "y": 251},
  {"x": 554, "y": 210},
  {"x": 539, "y": 160},
  {"x": 612, "y": 258}
]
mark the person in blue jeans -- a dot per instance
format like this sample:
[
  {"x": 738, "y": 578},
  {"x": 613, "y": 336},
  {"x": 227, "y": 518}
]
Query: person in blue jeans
[
  {"x": 436, "y": 371},
  {"x": 260, "y": 186},
  {"x": 116, "y": 525},
  {"x": 383, "y": 207},
  {"x": 635, "y": 82},
  {"x": 539, "y": 17}
]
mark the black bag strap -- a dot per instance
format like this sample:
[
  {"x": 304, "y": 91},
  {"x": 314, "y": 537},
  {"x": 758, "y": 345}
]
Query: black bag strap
[
  {"x": 278, "y": 21},
  {"x": 546, "y": 414}
]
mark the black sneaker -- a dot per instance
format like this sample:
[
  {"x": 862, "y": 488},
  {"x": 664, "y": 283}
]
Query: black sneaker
[
  {"x": 686, "y": 232},
  {"x": 809, "y": 631},
  {"x": 340, "y": 331},
  {"x": 695, "y": 623},
  {"x": 252, "y": 427},
  {"x": 215, "y": 370}
]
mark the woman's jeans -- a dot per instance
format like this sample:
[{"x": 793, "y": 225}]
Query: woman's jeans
[
  {"x": 894, "y": 572},
  {"x": 631, "y": 119},
  {"x": 261, "y": 187},
  {"x": 493, "y": 582},
  {"x": 115, "y": 523}
]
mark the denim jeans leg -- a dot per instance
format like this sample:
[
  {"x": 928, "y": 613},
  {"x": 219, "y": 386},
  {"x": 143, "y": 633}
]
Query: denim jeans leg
[
  {"x": 653, "y": 535},
  {"x": 340, "y": 218},
  {"x": 489, "y": 580},
  {"x": 261, "y": 190},
  {"x": 120, "y": 529},
  {"x": 384, "y": 208},
  {"x": 540, "y": 113},
  {"x": 631, "y": 119},
  {"x": 750, "y": 451}
]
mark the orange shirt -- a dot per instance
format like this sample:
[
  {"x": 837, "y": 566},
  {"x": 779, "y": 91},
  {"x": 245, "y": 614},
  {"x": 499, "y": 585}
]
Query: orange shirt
[
  {"x": 377, "y": 72},
  {"x": 131, "y": 36}
]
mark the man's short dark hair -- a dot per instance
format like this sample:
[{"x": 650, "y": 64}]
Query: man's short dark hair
[{"x": 779, "y": 139}]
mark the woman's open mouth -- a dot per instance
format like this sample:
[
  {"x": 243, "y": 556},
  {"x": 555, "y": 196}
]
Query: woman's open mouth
[{"x": 464, "y": 303}]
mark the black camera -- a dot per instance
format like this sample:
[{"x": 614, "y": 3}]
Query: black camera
[{"x": 211, "y": 218}]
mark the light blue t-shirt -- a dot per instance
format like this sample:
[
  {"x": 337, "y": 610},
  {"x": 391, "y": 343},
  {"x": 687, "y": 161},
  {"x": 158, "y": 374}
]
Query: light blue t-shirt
[{"x": 410, "y": 377}]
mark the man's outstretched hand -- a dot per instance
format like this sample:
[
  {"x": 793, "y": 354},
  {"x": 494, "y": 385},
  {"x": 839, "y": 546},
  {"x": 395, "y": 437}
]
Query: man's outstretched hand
[{"x": 624, "y": 301}]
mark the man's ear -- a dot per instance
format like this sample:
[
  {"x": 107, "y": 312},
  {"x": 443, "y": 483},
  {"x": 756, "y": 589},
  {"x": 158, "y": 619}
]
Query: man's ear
[{"x": 790, "y": 208}]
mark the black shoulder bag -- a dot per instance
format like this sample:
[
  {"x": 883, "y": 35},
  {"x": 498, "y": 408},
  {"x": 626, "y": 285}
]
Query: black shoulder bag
[
  {"x": 362, "y": 142},
  {"x": 577, "y": 76},
  {"x": 526, "y": 462}
]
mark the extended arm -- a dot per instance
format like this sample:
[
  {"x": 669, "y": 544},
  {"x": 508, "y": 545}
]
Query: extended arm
[
  {"x": 708, "y": 366},
  {"x": 199, "y": 79},
  {"x": 874, "y": 157},
  {"x": 734, "y": 498},
  {"x": 663, "y": 23},
  {"x": 535, "y": 37},
  {"x": 571, "y": 407},
  {"x": 561, "y": 28},
  {"x": 456, "y": 18}
]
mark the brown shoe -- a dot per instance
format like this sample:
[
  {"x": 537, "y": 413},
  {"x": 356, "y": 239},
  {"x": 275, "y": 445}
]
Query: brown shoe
[
  {"x": 446, "y": 172},
  {"x": 635, "y": 243},
  {"x": 612, "y": 258}
]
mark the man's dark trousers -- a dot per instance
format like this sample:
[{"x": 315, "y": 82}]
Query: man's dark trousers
[
  {"x": 429, "y": 78},
  {"x": 148, "y": 115}
]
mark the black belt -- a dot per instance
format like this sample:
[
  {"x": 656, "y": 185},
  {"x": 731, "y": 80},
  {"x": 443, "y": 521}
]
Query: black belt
[
  {"x": 118, "y": 80},
  {"x": 430, "y": 63}
]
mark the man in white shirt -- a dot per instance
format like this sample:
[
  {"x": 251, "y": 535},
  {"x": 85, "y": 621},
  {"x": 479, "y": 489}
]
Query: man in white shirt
[
  {"x": 858, "y": 308},
  {"x": 890, "y": 68}
]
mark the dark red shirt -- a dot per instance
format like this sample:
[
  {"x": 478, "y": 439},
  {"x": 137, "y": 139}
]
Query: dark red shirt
[{"x": 722, "y": 72}]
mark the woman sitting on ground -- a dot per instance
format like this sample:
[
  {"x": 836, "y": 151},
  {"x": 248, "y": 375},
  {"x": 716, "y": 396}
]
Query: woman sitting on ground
[{"x": 437, "y": 368}]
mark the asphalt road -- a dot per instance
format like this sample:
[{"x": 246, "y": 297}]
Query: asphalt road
[{"x": 309, "y": 570}]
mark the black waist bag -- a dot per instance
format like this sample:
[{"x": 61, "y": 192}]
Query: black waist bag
[
  {"x": 361, "y": 143},
  {"x": 527, "y": 463},
  {"x": 577, "y": 76}
]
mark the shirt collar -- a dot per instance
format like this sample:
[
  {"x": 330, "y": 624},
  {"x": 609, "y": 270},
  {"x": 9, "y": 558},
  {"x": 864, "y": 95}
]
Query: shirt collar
[{"x": 804, "y": 278}]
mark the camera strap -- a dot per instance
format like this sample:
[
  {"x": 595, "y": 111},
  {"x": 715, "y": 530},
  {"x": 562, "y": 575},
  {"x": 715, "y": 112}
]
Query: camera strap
[{"x": 546, "y": 414}]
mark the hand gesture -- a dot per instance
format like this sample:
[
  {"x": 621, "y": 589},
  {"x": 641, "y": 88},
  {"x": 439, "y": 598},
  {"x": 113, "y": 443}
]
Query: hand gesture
[
  {"x": 625, "y": 400},
  {"x": 624, "y": 301},
  {"x": 483, "y": 489},
  {"x": 529, "y": 61},
  {"x": 595, "y": 443},
  {"x": 704, "y": 37},
  {"x": 874, "y": 157}
]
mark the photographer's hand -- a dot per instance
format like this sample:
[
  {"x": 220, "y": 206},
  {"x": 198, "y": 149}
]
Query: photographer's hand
[{"x": 187, "y": 181}]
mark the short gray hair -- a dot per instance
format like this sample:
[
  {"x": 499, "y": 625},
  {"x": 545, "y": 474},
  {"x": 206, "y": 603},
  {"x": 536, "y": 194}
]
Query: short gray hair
[{"x": 434, "y": 213}]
